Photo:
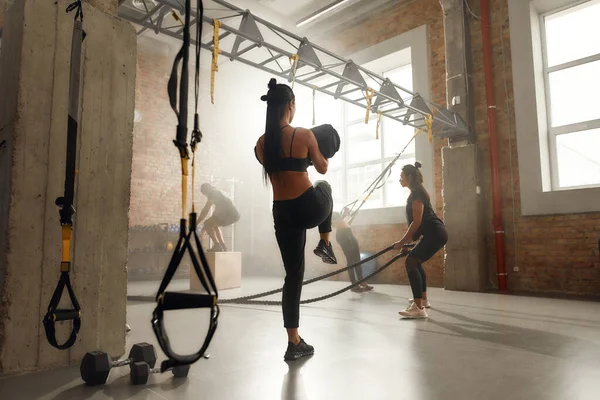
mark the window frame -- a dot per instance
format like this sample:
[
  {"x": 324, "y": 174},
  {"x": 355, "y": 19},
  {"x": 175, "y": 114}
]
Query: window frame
[
  {"x": 528, "y": 98},
  {"x": 383, "y": 160},
  {"x": 553, "y": 132},
  {"x": 385, "y": 54}
]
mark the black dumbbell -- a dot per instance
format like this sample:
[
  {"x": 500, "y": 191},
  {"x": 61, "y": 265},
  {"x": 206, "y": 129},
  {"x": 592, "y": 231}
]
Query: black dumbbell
[
  {"x": 96, "y": 365},
  {"x": 140, "y": 372}
]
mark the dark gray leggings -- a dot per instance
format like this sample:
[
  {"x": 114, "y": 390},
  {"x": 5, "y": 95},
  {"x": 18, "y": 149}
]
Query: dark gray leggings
[
  {"x": 292, "y": 218},
  {"x": 430, "y": 243}
]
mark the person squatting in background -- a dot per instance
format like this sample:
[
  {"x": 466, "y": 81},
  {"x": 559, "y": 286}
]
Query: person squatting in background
[
  {"x": 423, "y": 223},
  {"x": 347, "y": 241}
]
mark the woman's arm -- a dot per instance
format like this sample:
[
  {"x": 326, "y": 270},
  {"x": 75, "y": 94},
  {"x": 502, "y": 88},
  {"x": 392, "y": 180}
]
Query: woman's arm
[
  {"x": 417, "y": 207},
  {"x": 315, "y": 154},
  {"x": 205, "y": 211}
]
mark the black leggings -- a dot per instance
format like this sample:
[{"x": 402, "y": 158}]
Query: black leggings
[
  {"x": 349, "y": 245},
  {"x": 292, "y": 218},
  {"x": 430, "y": 243}
]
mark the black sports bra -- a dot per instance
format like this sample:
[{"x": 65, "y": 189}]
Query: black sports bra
[{"x": 288, "y": 163}]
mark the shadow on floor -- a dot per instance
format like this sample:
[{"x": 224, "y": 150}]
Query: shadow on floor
[
  {"x": 119, "y": 388},
  {"x": 45, "y": 382},
  {"x": 536, "y": 341}
]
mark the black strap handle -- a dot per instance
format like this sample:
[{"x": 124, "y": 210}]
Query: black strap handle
[
  {"x": 178, "y": 301},
  {"x": 184, "y": 301},
  {"x": 55, "y": 314}
]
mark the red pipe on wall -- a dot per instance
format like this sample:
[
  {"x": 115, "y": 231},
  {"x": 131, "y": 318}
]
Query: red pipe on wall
[{"x": 491, "y": 113}]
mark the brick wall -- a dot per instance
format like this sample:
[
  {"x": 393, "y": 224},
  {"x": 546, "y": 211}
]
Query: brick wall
[{"x": 555, "y": 254}]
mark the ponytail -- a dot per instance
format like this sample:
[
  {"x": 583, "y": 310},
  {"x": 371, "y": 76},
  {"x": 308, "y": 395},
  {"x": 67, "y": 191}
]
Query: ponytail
[{"x": 277, "y": 98}]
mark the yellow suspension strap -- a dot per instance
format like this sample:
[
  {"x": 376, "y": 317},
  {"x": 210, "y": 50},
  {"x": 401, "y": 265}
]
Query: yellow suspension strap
[
  {"x": 369, "y": 93},
  {"x": 294, "y": 58},
  {"x": 66, "y": 212},
  {"x": 429, "y": 124},
  {"x": 379, "y": 115},
  {"x": 166, "y": 300},
  {"x": 215, "y": 59}
]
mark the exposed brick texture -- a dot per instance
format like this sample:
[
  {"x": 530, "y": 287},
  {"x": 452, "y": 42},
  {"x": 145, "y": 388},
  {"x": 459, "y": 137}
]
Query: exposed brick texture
[{"x": 555, "y": 254}]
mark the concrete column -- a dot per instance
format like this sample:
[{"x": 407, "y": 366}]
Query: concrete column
[
  {"x": 465, "y": 250},
  {"x": 34, "y": 82},
  {"x": 465, "y": 267}
]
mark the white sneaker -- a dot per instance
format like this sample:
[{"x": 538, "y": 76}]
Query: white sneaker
[
  {"x": 414, "y": 312},
  {"x": 425, "y": 303}
]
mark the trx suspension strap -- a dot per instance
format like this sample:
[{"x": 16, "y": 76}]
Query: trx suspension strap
[
  {"x": 349, "y": 210},
  {"x": 173, "y": 300},
  {"x": 65, "y": 202}
]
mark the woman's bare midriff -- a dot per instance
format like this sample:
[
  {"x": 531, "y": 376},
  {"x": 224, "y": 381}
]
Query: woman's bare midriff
[{"x": 288, "y": 185}]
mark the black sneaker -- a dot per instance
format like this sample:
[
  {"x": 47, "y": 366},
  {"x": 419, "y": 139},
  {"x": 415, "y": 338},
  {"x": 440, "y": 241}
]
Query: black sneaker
[
  {"x": 325, "y": 252},
  {"x": 296, "y": 351}
]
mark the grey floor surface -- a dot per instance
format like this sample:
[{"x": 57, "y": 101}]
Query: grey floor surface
[{"x": 473, "y": 346}]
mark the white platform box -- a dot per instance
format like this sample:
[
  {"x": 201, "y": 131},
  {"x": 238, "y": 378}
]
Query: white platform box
[{"x": 226, "y": 268}]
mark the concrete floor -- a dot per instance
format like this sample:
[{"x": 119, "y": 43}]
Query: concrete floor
[{"x": 473, "y": 346}]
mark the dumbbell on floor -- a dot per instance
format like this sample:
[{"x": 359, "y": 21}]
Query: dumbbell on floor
[
  {"x": 140, "y": 372},
  {"x": 96, "y": 365}
]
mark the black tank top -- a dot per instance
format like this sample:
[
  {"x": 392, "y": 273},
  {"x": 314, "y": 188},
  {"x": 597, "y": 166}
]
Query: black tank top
[
  {"x": 287, "y": 163},
  {"x": 430, "y": 218}
]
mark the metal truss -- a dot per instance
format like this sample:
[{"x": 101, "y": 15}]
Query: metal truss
[{"x": 251, "y": 40}]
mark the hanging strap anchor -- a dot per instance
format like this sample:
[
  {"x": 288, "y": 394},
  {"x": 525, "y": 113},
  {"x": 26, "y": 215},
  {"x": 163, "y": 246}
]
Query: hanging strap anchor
[
  {"x": 67, "y": 210},
  {"x": 165, "y": 300}
]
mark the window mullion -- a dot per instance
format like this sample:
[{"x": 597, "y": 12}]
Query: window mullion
[{"x": 572, "y": 64}]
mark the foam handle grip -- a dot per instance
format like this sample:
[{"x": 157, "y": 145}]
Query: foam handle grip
[
  {"x": 66, "y": 315},
  {"x": 182, "y": 301},
  {"x": 328, "y": 139}
]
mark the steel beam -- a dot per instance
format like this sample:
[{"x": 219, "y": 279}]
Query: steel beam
[{"x": 349, "y": 77}]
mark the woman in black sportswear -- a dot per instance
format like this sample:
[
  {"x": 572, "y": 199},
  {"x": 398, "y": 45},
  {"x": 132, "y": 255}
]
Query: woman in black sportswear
[
  {"x": 422, "y": 223},
  {"x": 285, "y": 153}
]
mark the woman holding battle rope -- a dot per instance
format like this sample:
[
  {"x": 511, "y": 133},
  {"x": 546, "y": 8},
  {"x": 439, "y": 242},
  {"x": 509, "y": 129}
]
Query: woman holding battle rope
[
  {"x": 285, "y": 153},
  {"x": 424, "y": 223}
]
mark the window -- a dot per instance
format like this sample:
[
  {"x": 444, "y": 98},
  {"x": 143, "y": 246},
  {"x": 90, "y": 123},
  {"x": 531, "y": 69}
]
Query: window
[
  {"x": 362, "y": 157},
  {"x": 571, "y": 67}
]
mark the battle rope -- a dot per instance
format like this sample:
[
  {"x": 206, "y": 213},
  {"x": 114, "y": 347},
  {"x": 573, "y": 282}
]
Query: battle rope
[
  {"x": 251, "y": 299},
  {"x": 215, "y": 59},
  {"x": 65, "y": 202},
  {"x": 379, "y": 182},
  {"x": 174, "y": 300}
]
